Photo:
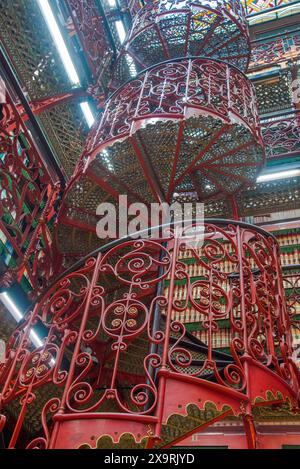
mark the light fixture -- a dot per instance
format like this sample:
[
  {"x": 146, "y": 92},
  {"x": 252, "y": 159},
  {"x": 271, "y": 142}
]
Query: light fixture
[
  {"x": 90, "y": 119},
  {"x": 131, "y": 65},
  {"x": 121, "y": 30},
  {"x": 112, "y": 3},
  {"x": 35, "y": 338},
  {"x": 64, "y": 54},
  {"x": 59, "y": 41},
  {"x": 107, "y": 160},
  {"x": 16, "y": 313},
  {"x": 278, "y": 175},
  {"x": 11, "y": 306}
]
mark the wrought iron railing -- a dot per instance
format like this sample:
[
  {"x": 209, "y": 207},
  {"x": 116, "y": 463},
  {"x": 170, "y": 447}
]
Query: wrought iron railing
[
  {"x": 281, "y": 135},
  {"x": 113, "y": 349},
  {"x": 275, "y": 50},
  {"x": 168, "y": 29}
]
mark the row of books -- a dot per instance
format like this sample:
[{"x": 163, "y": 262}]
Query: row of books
[
  {"x": 219, "y": 339},
  {"x": 195, "y": 269},
  {"x": 294, "y": 307},
  {"x": 290, "y": 258},
  {"x": 296, "y": 336},
  {"x": 286, "y": 239},
  {"x": 222, "y": 337},
  {"x": 197, "y": 291},
  {"x": 192, "y": 315},
  {"x": 289, "y": 239}
]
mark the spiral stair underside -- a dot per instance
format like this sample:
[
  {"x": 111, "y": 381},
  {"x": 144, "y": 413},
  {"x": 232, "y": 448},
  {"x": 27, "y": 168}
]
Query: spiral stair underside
[
  {"x": 185, "y": 127},
  {"x": 184, "y": 29}
]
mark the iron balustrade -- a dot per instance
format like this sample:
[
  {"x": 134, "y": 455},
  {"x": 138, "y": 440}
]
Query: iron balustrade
[{"x": 104, "y": 363}]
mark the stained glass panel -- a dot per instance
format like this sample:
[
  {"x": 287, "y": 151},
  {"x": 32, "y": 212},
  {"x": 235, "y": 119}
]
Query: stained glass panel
[{"x": 258, "y": 6}]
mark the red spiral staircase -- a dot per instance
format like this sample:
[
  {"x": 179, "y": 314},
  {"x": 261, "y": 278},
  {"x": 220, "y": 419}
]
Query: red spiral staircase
[{"x": 115, "y": 367}]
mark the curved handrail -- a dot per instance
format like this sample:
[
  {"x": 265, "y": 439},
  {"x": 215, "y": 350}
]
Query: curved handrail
[
  {"x": 116, "y": 242},
  {"x": 112, "y": 244},
  {"x": 177, "y": 59},
  {"x": 291, "y": 267}
]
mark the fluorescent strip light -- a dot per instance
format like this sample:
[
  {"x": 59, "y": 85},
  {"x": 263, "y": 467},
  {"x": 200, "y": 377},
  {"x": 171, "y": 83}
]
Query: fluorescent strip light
[
  {"x": 278, "y": 175},
  {"x": 112, "y": 3},
  {"x": 64, "y": 54},
  {"x": 35, "y": 338},
  {"x": 121, "y": 30},
  {"x": 87, "y": 113},
  {"x": 16, "y": 313},
  {"x": 59, "y": 41},
  {"x": 10, "y": 305}
]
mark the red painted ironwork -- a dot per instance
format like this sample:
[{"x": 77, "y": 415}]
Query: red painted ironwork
[
  {"x": 113, "y": 353},
  {"x": 45, "y": 104},
  {"x": 27, "y": 194},
  {"x": 179, "y": 96},
  {"x": 281, "y": 136},
  {"x": 280, "y": 49},
  {"x": 168, "y": 29},
  {"x": 90, "y": 28}
]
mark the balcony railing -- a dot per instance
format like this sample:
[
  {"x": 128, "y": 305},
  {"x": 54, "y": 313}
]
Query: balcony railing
[{"x": 281, "y": 135}]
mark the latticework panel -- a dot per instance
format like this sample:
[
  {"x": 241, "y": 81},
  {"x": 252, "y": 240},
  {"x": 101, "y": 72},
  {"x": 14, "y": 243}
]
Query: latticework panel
[
  {"x": 263, "y": 198},
  {"x": 282, "y": 136},
  {"x": 27, "y": 195},
  {"x": 166, "y": 30},
  {"x": 36, "y": 59},
  {"x": 27, "y": 39},
  {"x": 66, "y": 128},
  {"x": 274, "y": 94},
  {"x": 274, "y": 51},
  {"x": 273, "y": 196}
]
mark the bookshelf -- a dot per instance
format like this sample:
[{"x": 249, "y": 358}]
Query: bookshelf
[{"x": 289, "y": 242}]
